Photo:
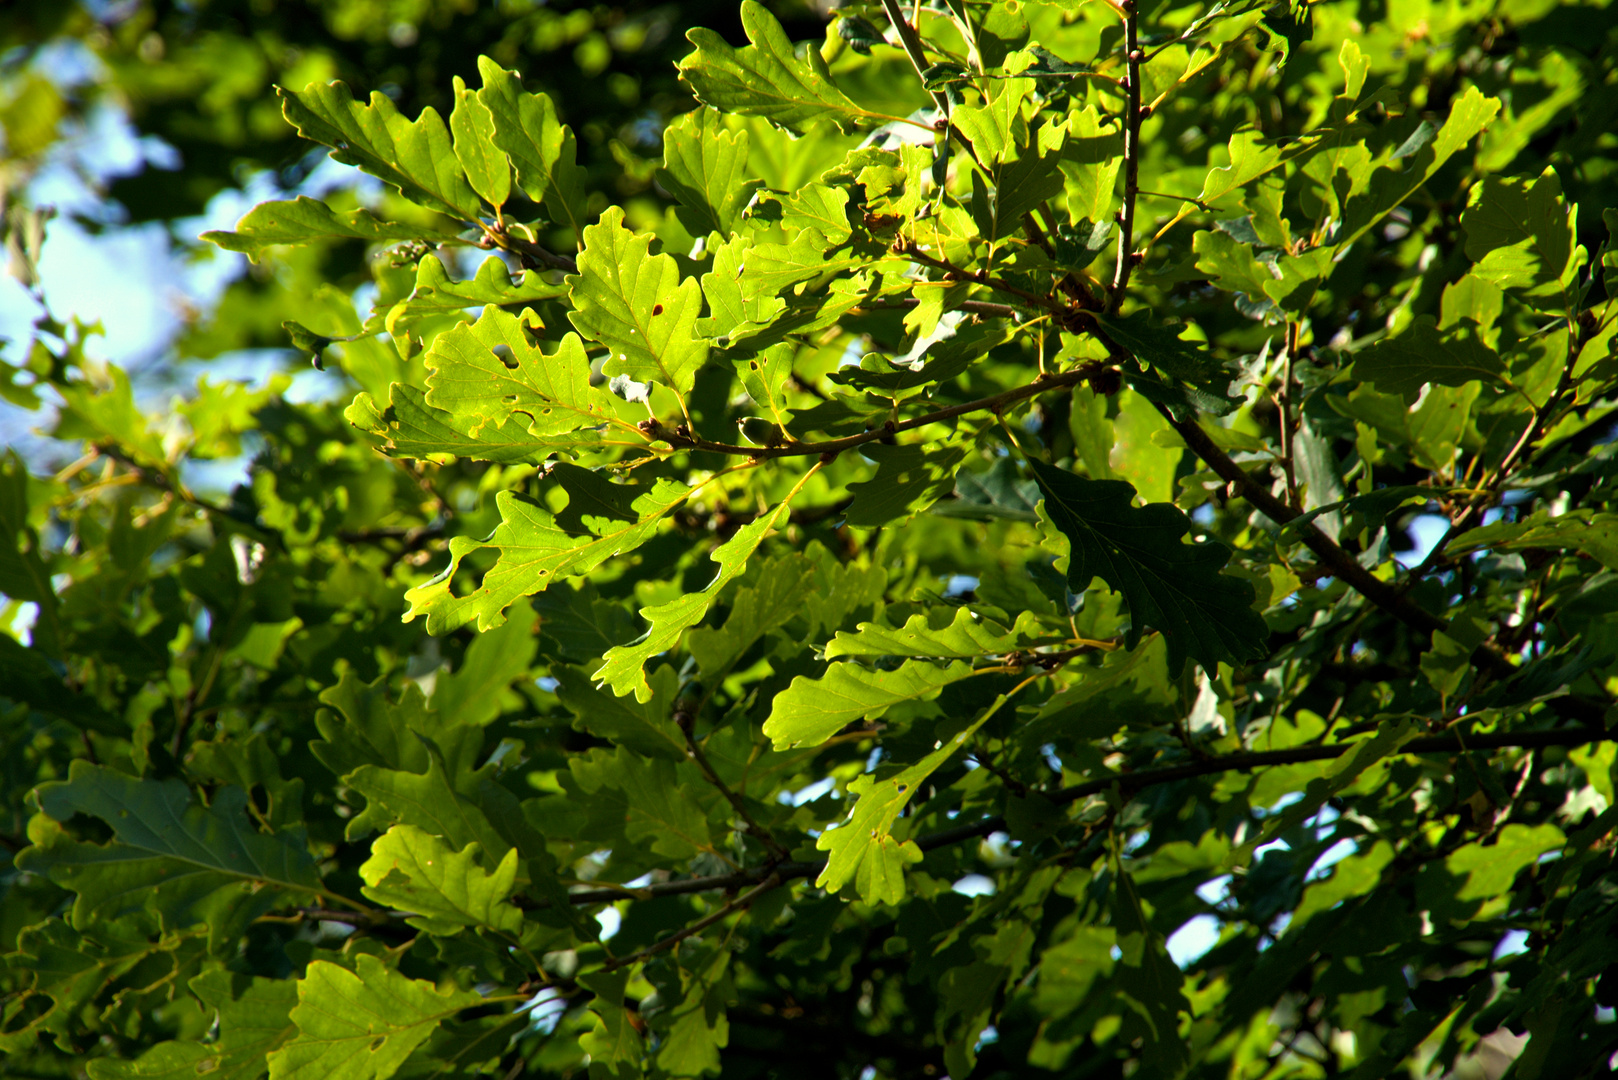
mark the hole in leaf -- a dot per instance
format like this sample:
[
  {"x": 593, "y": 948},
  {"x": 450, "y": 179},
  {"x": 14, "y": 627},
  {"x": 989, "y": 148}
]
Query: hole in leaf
[{"x": 378, "y": 1042}]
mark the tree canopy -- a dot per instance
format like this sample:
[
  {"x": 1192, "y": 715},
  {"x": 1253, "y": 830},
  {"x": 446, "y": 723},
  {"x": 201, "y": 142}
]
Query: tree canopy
[{"x": 1009, "y": 539}]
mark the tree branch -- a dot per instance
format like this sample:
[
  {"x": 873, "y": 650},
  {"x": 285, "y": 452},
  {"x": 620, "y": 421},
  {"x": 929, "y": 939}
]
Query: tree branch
[
  {"x": 1345, "y": 567},
  {"x": 910, "y": 41},
  {"x": 1126, "y": 782},
  {"x": 682, "y": 438},
  {"x": 694, "y": 751}
]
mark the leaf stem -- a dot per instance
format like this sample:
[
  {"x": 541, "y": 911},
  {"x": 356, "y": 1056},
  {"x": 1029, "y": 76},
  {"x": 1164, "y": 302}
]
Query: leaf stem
[{"x": 1132, "y": 118}]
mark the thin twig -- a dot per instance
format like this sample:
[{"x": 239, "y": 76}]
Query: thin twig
[
  {"x": 1346, "y": 568},
  {"x": 910, "y": 41},
  {"x": 910, "y": 250},
  {"x": 1126, "y": 214},
  {"x": 682, "y": 437},
  {"x": 1488, "y": 490},
  {"x": 694, "y": 751},
  {"x": 532, "y": 255},
  {"x": 1126, "y": 782},
  {"x": 740, "y": 903}
]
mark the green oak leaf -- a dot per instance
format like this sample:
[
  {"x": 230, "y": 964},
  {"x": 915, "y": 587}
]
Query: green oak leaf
[
  {"x": 410, "y": 428},
  {"x": 1589, "y": 532},
  {"x": 1000, "y": 492},
  {"x": 819, "y": 207},
  {"x": 542, "y": 148},
  {"x": 1230, "y": 264},
  {"x": 738, "y": 309},
  {"x": 646, "y": 727},
  {"x": 641, "y": 799},
  {"x": 705, "y": 169},
  {"x": 444, "y": 889},
  {"x": 940, "y": 634},
  {"x": 436, "y": 293},
  {"x": 414, "y": 156},
  {"x": 810, "y": 711},
  {"x": 1521, "y": 234},
  {"x": 635, "y": 304},
  {"x": 908, "y": 480},
  {"x": 1424, "y": 354},
  {"x": 767, "y": 78},
  {"x": 254, "y": 1022},
  {"x": 303, "y": 220},
  {"x": 187, "y": 861},
  {"x": 623, "y": 667},
  {"x": 1251, "y": 156},
  {"x": 487, "y": 168},
  {"x": 361, "y": 1024},
  {"x": 1392, "y": 184},
  {"x": 534, "y": 549},
  {"x": 783, "y": 584},
  {"x": 1172, "y": 586},
  {"x": 491, "y": 371},
  {"x": 1090, "y": 163},
  {"x": 432, "y": 801},
  {"x": 863, "y": 849},
  {"x": 1162, "y": 349},
  {"x": 695, "y": 1030},
  {"x": 578, "y": 625}
]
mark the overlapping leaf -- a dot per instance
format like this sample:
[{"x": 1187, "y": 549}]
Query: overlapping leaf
[
  {"x": 361, "y": 1024},
  {"x": 534, "y": 548},
  {"x": 303, "y": 220},
  {"x": 436, "y": 293},
  {"x": 253, "y": 1020},
  {"x": 940, "y": 634},
  {"x": 1169, "y": 585},
  {"x": 705, "y": 168},
  {"x": 767, "y": 78},
  {"x": 414, "y": 156},
  {"x": 810, "y": 711},
  {"x": 541, "y": 146},
  {"x": 490, "y": 371},
  {"x": 1424, "y": 354},
  {"x": 186, "y": 861},
  {"x": 635, "y": 304},
  {"x": 623, "y": 667},
  {"x": 444, "y": 889},
  {"x": 908, "y": 480}
]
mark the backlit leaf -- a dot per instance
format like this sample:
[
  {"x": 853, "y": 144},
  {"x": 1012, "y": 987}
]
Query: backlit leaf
[
  {"x": 634, "y": 303},
  {"x": 414, "y": 156},
  {"x": 361, "y": 1024},
  {"x": 444, "y": 889}
]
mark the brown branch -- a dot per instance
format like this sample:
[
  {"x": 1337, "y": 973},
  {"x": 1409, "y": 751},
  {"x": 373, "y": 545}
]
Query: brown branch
[
  {"x": 1132, "y": 117},
  {"x": 907, "y": 247},
  {"x": 682, "y": 438},
  {"x": 1126, "y": 782},
  {"x": 694, "y": 751},
  {"x": 1346, "y": 568},
  {"x": 533, "y": 255}
]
